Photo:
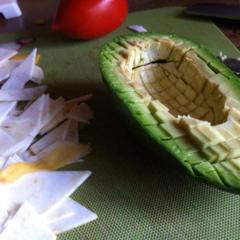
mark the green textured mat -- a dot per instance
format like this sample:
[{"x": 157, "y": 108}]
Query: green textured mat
[{"x": 135, "y": 195}]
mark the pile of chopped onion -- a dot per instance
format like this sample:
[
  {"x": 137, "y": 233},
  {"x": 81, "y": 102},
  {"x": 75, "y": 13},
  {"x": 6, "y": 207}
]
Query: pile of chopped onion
[{"x": 38, "y": 135}]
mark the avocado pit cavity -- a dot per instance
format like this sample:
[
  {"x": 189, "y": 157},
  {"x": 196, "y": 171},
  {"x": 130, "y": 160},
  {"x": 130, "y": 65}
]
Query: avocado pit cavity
[{"x": 181, "y": 81}]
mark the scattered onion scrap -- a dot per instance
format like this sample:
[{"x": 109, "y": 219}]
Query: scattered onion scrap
[{"x": 137, "y": 28}]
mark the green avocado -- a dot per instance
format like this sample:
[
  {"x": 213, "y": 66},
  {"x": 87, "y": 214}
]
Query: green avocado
[{"x": 178, "y": 97}]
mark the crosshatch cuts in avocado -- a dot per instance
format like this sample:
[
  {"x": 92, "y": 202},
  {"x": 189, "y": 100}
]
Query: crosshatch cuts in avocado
[{"x": 183, "y": 98}]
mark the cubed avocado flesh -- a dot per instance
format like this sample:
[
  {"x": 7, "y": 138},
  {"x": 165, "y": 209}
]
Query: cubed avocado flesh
[{"x": 184, "y": 99}]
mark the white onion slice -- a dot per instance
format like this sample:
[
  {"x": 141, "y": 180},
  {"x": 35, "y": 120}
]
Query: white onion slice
[
  {"x": 53, "y": 123},
  {"x": 26, "y": 94},
  {"x": 22, "y": 73},
  {"x": 6, "y": 68},
  {"x": 5, "y": 54},
  {"x": 38, "y": 75},
  {"x": 80, "y": 216},
  {"x": 40, "y": 190},
  {"x": 55, "y": 135},
  {"x": 12, "y": 159},
  {"x": 81, "y": 113},
  {"x": 10, "y": 46},
  {"x": 80, "y": 99},
  {"x": 28, "y": 225},
  {"x": 72, "y": 134},
  {"x": 5, "y": 108}
]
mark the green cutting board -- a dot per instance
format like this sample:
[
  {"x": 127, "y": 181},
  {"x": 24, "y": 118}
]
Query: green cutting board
[{"x": 135, "y": 195}]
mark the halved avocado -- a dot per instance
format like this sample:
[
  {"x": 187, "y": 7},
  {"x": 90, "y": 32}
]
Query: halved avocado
[{"x": 181, "y": 98}]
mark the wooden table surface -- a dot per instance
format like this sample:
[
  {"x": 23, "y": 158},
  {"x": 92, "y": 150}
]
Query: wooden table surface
[{"x": 45, "y": 9}]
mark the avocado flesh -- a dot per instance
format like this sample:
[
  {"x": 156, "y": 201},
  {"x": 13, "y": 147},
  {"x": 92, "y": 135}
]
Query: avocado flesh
[{"x": 187, "y": 91}]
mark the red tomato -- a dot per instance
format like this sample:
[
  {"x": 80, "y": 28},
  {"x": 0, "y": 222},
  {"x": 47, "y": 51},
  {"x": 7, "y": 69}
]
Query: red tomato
[{"x": 87, "y": 19}]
